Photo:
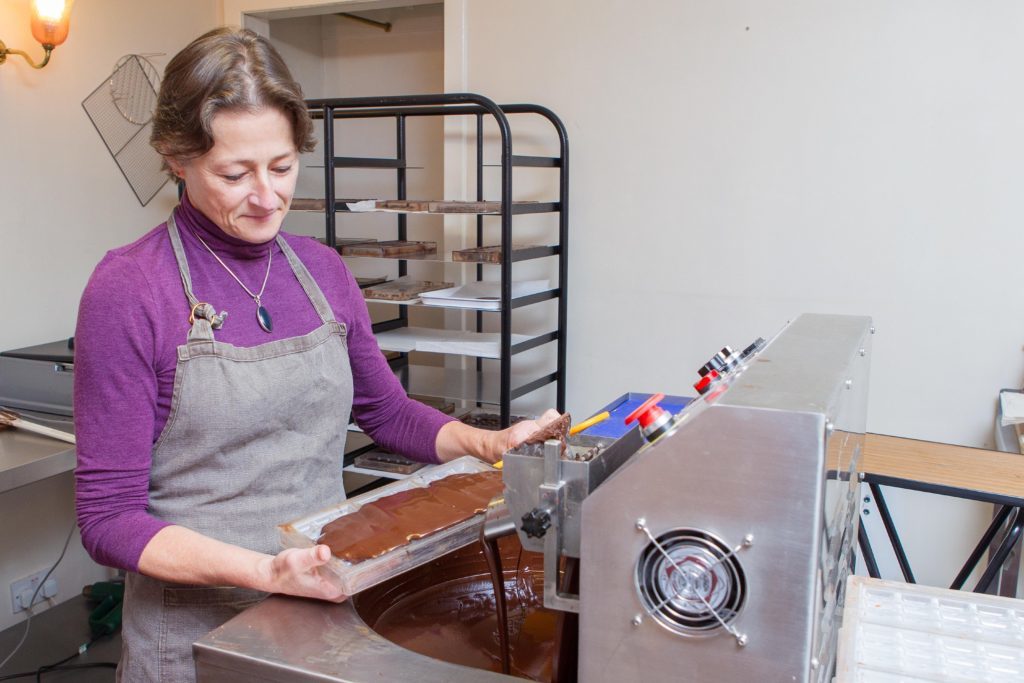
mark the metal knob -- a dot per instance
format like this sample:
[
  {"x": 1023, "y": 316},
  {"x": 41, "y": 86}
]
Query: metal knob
[
  {"x": 753, "y": 348},
  {"x": 536, "y": 522},
  {"x": 728, "y": 357}
]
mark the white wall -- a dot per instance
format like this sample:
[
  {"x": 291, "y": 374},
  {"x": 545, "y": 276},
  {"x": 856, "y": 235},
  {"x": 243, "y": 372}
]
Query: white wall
[
  {"x": 737, "y": 163},
  {"x": 63, "y": 204}
]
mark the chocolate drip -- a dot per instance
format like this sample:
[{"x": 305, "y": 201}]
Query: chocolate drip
[{"x": 493, "y": 557}]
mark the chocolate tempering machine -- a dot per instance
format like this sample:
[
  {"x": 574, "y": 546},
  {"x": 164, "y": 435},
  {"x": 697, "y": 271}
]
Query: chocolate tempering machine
[{"x": 713, "y": 543}]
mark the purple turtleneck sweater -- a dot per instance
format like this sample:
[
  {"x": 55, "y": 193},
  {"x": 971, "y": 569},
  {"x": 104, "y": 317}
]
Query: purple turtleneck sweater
[{"x": 133, "y": 316}]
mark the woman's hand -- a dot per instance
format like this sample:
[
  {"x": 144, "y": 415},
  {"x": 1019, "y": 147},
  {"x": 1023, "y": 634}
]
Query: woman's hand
[
  {"x": 457, "y": 439},
  {"x": 523, "y": 430},
  {"x": 301, "y": 572},
  {"x": 184, "y": 556}
]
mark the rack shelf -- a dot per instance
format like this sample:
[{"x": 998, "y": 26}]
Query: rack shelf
[
  {"x": 490, "y": 385},
  {"x": 457, "y": 342},
  {"x": 515, "y": 303},
  {"x": 481, "y": 387},
  {"x": 439, "y": 206},
  {"x": 518, "y": 254}
]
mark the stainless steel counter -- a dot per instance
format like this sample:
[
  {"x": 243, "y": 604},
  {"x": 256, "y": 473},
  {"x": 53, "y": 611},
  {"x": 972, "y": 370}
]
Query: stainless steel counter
[
  {"x": 291, "y": 639},
  {"x": 26, "y": 458}
]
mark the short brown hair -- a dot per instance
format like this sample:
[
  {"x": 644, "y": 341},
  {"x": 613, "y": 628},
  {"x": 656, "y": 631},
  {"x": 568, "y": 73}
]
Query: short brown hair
[{"x": 224, "y": 70}]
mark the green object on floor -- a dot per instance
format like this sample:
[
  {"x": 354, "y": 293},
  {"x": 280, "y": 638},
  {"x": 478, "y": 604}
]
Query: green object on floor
[{"x": 105, "y": 618}]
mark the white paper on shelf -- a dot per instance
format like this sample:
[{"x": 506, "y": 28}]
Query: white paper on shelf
[
  {"x": 407, "y": 302},
  {"x": 402, "y": 340},
  {"x": 1011, "y": 405},
  {"x": 481, "y": 295},
  {"x": 463, "y": 342},
  {"x": 480, "y": 344},
  {"x": 364, "y": 205}
]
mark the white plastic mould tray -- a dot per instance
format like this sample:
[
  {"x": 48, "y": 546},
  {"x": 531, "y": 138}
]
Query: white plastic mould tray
[
  {"x": 303, "y": 532},
  {"x": 905, "y": 633}
]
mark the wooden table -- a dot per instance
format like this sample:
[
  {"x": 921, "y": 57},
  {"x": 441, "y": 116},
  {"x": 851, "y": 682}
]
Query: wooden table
[{"x": 970, "y": 473}]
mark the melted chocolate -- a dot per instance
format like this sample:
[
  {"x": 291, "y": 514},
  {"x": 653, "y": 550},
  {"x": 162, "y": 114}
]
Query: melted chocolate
[
  {"x": 392, "y": 521},
  {"x": 446, "y": 609}
]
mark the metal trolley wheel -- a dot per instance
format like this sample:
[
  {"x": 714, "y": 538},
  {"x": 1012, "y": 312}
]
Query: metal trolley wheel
[{"x": 690, "y": 582}]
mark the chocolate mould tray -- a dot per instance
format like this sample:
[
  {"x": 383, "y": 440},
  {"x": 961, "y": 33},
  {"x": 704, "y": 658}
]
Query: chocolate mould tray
[{"x": 303, "y": 532}]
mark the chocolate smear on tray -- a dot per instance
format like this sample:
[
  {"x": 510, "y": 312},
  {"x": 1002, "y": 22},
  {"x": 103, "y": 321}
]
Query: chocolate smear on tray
[{"x": 393, "y": 521}]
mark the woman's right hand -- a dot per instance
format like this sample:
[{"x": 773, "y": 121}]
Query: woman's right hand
[{"x": 302, "y": 572}]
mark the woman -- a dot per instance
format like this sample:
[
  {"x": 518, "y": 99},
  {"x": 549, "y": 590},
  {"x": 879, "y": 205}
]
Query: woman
[{"x": 198, "y": 432}]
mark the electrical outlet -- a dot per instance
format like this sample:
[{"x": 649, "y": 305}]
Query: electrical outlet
[{"x": 22, "y": 590}]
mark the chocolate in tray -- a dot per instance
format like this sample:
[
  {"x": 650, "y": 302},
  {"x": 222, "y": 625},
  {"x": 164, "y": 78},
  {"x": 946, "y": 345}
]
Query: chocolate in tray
[
  {"x": 386, "y": 461},
  {"x": 483, "y": 420},
  {"x": 353, "y": 577},
  {"x": 403, "y": 289},
  {"x": 365, "y": 282},
  {"x": 488, "y": 254},
  {"x": 394, "y": 520},
  {"x": 389, "y": 248},
  {"x": 440, "y": 404}
]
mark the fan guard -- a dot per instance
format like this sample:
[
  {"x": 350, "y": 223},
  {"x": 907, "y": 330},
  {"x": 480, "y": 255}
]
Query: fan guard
[{"x": 690, "y": 582}]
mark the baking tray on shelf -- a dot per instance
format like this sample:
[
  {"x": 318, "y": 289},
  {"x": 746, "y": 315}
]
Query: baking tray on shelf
[
  {"x": 388, "y": 248},
  {"x": 402, "y": 289},
  {"x": 353, "y": 578}
]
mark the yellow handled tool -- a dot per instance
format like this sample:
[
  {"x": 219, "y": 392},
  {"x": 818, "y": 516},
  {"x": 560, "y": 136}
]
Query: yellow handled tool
[{"x": 600, "y": 417}]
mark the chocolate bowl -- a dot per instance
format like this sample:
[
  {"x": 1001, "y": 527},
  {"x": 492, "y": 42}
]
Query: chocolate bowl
[
  {"x": 437, "y": 624},
  {"x": 447, "y": 610}
]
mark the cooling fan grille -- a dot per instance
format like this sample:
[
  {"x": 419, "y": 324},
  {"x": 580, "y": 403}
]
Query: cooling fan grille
[{"x": 690, "y": 582}]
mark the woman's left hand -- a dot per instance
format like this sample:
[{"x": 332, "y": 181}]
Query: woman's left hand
[
  {"x": 457, "y": 439},
  {"x": 523, "y": 430},
  {"x": 302, "y": 572}
]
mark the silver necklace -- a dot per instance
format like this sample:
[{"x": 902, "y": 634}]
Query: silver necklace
[{"x": 262, "y": 314}]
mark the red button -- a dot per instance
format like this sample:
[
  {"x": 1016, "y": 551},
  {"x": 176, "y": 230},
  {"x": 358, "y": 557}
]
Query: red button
[
  {"x": 705, "y": 382},
  {"x": 648, "y": 411}
]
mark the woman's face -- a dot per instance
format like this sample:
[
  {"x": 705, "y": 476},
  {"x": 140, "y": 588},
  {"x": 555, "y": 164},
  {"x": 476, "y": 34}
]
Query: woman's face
[{"x": 245, "y": 182}]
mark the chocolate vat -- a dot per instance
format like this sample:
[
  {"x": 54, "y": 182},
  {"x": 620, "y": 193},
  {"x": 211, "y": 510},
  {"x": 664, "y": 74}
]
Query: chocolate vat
[{"x": 446, "y": 610}]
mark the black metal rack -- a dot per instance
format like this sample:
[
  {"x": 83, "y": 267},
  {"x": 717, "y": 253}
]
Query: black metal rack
[{"x": 400, "y": 108}]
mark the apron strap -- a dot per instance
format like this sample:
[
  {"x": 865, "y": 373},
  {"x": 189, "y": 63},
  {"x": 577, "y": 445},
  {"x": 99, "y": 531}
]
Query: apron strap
[
  {"x": 313, "y": 291},
  {"x": 202, "y": 316}
]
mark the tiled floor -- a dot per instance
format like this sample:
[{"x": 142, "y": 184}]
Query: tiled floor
[{"x": 54, "y": 635}]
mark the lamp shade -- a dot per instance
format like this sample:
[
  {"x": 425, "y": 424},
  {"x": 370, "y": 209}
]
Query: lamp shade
[{"x": 50, "y": 21}]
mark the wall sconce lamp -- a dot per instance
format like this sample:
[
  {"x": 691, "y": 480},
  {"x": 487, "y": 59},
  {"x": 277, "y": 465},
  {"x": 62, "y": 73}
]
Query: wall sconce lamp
[{"x": 50, "y": 20}]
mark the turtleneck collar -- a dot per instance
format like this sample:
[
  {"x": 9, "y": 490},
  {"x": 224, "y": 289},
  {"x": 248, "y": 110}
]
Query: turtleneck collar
[{"x": 192, "y": 222}]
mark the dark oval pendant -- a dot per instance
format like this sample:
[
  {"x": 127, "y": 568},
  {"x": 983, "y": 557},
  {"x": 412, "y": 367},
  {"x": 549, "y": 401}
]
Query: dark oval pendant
[{"x": 263, "y": 318}]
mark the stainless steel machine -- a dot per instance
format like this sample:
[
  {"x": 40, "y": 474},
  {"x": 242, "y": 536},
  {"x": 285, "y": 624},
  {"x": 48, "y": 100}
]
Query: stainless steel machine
[
  {"x": 37, "y": 381},
  {"x": 718, "y": 547},
  {"x": 713, "y": 543}
]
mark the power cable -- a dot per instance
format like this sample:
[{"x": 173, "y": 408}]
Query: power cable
[{"x": 32, "y": 600}]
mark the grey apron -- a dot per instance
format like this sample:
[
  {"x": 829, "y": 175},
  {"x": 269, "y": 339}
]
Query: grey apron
[{"x": 255, "y": 437}]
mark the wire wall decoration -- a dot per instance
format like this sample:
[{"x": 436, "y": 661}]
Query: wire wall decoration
[{"x": 121, "y": 109}]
